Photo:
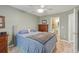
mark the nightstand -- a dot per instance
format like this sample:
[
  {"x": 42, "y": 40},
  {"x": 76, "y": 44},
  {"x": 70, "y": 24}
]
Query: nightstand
[{"x": 3, "y": 42}]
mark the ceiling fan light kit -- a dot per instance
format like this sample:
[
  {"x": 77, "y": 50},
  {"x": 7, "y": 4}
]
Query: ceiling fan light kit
[{"x": 40, "y": 10}]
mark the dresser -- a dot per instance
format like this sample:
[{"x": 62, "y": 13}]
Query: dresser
[
  {"x": 3, "y": 42},
  {"x": 43, "y": 27}
]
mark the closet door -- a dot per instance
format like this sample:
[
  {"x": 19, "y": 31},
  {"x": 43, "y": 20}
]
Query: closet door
[
  {"x": 78, "y": 34},
  {"x": 70, "y": 27}
]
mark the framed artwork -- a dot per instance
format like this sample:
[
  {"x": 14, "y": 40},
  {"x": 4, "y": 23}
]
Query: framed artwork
[
  {"x": 2, "y": 22},
  {"x": 44, "y": 21}
]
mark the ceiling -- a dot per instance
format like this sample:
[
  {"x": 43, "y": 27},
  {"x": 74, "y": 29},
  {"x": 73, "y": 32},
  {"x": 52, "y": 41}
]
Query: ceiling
[{"x": 49, "y": 9}]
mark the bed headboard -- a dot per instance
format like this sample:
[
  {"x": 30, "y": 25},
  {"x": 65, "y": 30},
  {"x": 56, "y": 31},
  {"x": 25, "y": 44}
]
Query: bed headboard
[{"x": 18, "y": 28}]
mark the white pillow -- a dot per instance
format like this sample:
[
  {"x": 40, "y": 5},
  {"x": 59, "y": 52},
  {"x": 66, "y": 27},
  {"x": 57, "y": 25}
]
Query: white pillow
[{"x": 28, "y": 30}]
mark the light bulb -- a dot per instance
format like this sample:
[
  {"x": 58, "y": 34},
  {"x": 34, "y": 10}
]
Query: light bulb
[{"x": 40, "y": 10}]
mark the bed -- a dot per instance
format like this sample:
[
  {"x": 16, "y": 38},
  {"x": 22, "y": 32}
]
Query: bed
[{"x": 36, "y": 42}]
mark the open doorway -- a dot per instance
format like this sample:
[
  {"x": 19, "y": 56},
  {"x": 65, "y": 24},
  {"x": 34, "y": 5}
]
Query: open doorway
[{"x": 55, "y": 24}]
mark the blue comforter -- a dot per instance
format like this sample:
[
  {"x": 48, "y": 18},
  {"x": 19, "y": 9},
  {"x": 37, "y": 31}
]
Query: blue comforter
[{"x": 28, "y": 45}]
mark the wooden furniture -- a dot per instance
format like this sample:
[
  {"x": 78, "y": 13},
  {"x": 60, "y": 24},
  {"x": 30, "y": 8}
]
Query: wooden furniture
[
  {"x": 43, "y": 27},
  {"x": 3, "y": 42}
]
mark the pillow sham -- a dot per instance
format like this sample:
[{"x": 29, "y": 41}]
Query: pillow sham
[
  {"x": 23, "y": 32},
  {"x": 33, "y": 30}
]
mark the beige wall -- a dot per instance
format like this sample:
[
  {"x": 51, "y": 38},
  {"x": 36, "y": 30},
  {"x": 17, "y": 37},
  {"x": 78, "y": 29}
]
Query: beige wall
[{"x": 17, "y": 18}]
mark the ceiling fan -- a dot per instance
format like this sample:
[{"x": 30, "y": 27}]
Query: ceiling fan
[{"x": 42, "y": 9}]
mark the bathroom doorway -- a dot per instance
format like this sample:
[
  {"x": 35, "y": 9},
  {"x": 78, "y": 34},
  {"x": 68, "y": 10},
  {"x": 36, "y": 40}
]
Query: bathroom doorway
[{"x": 55, "y": 24}]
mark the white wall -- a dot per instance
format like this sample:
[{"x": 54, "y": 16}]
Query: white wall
[{"x": 18, "y": 18}]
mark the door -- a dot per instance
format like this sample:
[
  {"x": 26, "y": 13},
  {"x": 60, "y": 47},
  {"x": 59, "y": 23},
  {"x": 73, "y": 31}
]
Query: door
[{"x": 70, "y": 27}]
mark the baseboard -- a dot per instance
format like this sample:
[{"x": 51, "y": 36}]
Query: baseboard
[
  {"x": 66, "y": 41},
  {"x": 11, "y": 46}
]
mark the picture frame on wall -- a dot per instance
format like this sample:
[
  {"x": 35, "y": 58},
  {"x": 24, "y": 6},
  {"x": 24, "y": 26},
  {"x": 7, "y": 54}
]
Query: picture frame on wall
[
  {"x": 44, "y": 21},
  {"x": 2, "y": 22}
]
